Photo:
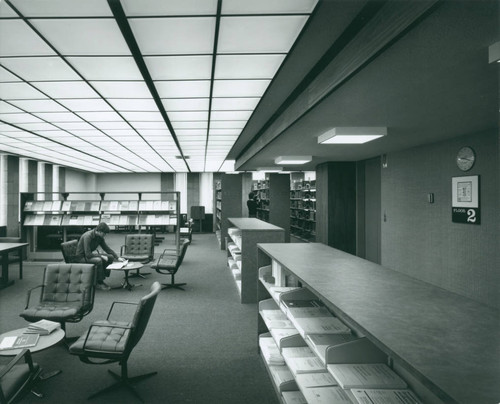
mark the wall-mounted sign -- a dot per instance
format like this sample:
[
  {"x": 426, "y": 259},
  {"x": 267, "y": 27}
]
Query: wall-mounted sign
[{"x": 465, "y": 200}]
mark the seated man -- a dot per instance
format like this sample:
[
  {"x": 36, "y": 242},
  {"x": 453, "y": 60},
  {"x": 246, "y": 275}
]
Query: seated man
[{"x": 86, "y": 251}]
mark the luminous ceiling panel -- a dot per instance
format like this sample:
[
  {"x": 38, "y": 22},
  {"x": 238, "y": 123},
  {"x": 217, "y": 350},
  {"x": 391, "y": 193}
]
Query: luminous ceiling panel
[
  {"x": 170, "y": 36},
  {"x": 72, "y": 82},
  {"x": 83, "y": 36}
]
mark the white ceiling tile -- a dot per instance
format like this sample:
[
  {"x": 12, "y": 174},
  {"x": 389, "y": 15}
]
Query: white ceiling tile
[
  {"x": 224, "y": 132},
  {"x": 267, "y": 7},
  {"x": 143, "y": 116},
  {"x": 87, "y": 36},
  {"x": 170, "y": 7},
  {"x": 56, "y": 117},
  {"x": 16, "y": 119},
  {"x": 6, "y": 11},
  {"x": 183, "y": 89},
  {"x": 37, "y": 126},
  {"x": 6, "y": 76},
  {"x": 39, "y": 105},
  {"x": 6, "y": 108},
  {"x": 191, "y": 132},
  {"x": 185, "y": 104},
  {"x": 190, "y": 125},
  {"x": 93, "y": 117},
  {"x": 135, "y": 104},
  {"x": 227, "y": 124},
  {"x": 268, "y": 34},
  {"x": 149, "y": 125},
  {"x": 240, "y": 88},
  {"x": 230, "y": 115},
  {"x": 62, "y": 8},
  {"x": 234, "y": 104},
  {"x": 247, "y": 66},
  {"x": 18, "y": 39},
  {"x": 186, "y": 67},
  {"x": 40, "y": 68},
  {"x": 106, "y": 68},
  {"x": 111, "y": 125},
  {"x": 188, "y": 116},
  {"x": 178, "y": 35},
  {"x": 19, "y": 91},
  {"x": 66, "y": 89},
  {"x": 75, "y": 126},
  {"x": 81, "y": 104},
  {"x": 122, "y": 89}
]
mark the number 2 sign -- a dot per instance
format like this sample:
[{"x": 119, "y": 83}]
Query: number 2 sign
[{"x": 465, "y": 200}]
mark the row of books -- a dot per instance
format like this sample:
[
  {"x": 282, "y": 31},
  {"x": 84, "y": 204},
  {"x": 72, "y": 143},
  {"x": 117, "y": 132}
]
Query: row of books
[
  {"x": 95, "y": 206},
  {"x": 302, "y": 332},
  {"x": 92, "y": 220}
]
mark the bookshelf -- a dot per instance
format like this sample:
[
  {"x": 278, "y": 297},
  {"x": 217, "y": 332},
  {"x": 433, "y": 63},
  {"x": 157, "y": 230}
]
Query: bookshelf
[
  {"x": 228, "y": 202},
  {"x": 274, "y": 207},
  {"x": 442, "y": 345},
  {"x": 245, "y": 233},
  {"x": 67, "y": 215},
  {"x": 303, "y": 210}
]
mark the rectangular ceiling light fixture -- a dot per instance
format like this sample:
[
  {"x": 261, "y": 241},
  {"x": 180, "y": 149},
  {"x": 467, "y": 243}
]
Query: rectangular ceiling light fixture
[
  {"x": 292, "y": 159},
  {"x": 494, "y": 53},
  {"x": 351, "y": 135},
  {"x": 270, "y": 169}
]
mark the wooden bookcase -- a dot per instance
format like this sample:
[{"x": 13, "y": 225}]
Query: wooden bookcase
[
  {"x": 303, "y": 210},
  {"x": 443, "y": 345},
  {"x": 245, "y": 233},
  {"x": 67, "y": 215},
  {"x": 274, "y": 207}
]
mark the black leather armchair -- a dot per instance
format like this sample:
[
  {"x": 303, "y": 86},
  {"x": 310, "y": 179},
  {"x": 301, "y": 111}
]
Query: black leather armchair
[
  {"x": 169, "y": 262},
  {"x": 67, "y": 294},
  {"x": 138, "y": 248},
  {"x": 18, "y": 377},
  {"x": 111, "y": 341},
  {"x": 68, "y": 249}
]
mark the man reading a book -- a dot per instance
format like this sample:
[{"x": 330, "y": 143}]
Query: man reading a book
[{"x": 86, "y": 251}]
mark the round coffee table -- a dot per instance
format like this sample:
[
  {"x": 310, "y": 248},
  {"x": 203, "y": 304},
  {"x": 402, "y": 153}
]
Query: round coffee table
[{"x": 131, "y": 266}]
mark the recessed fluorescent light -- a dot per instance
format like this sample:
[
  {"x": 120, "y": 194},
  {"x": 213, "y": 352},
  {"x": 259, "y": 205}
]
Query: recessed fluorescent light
[
  {"x": 494, "y": 53},
  {"x": 292, "y": 159},
  {"x": 352, "y": 135}
]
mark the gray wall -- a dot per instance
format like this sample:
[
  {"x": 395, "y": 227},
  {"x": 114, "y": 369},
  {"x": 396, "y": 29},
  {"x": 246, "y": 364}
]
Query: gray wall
[{"x": 419, "y": 238}]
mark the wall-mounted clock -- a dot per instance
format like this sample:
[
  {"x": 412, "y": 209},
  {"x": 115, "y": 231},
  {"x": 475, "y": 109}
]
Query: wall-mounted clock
[{"x": 466, "y": 158}]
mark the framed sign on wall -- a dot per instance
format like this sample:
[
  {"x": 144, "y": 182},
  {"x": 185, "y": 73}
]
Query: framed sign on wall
[{"x": 465, "y": 200}]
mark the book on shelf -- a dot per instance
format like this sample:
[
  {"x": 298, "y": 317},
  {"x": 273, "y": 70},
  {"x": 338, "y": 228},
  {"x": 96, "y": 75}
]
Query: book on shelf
[
  {"x": 327, "y": 395},
  {"x": 276, "y": 291},
  {"x": 66, "y": 206},
  {"x": 320, "y": 325},
  {"x": 293, "y": 397},
  {"x": 52, "y": 220},
  {"x": 297, "y": 352},
  {"x": 385, "y": 396},
  {"x": 366, "y": 375},
  {"x": 124, "y": 205},
  {"x": 38, "y": 206},
  {"x": 28, "y": 205},
  {"x": 95, "y": 205},
  {"x": 315, "y": 379},
  {"x": 56, "y": 205},
  {"x": 308, "y": 312},
  {"x": 43, "y": 327},
  {"x": 309, "y": 364},
  {"x": 273, "y": 315},
  {"x": 19, "y": 342},
  {"x": 80, "y": 206},
  {"x": 279, "y": 324},
  {"x": 295, "y": 303},
  {"x": 270, "y": 351},
  {"x": 47, "y": 206},
  {"x": 320, "y": 342},
  {"x": 133, "y": 205}
]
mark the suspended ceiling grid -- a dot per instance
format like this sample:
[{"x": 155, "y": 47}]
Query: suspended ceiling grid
[{"x": 138, "y": 86}]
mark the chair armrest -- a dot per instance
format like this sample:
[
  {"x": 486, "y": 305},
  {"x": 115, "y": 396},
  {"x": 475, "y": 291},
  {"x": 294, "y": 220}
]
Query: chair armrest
[
  {"x": 26, "y": 354},
  {"x": 28, "y": 295},
  {"x": 122, "y": 250},
  {"x": 169, "y": 251},
  {"x": 117, "y": 303}
]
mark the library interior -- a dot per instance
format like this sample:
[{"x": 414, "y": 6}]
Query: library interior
[{"x": 266, "y": 201}]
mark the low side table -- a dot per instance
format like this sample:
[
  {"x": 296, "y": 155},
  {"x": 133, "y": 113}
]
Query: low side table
[
  {"x": 131, "y": 266},
  {"x": 44, "y": 342}
]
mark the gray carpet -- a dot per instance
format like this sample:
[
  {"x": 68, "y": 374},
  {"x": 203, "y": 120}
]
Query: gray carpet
[{"x": 202, "y": 341}]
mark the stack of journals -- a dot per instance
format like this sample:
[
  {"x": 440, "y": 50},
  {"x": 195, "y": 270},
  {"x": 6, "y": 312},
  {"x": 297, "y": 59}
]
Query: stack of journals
[
  {"x": 327, "y": 395},
  {"x": 280, "y": 334},
  {"x": 43, "y": 327},
  {"x": 386, "y": 396},
  {"x": 320, "y": 342},
  {"x": 366, "y": 376},
  {"x": 18, "y": 342},
  {"x": 270, "y": 351},
  {"x": 317, "y": 379},
  {"x": 297, "y": 352},
  {"x": 293, "y": 397},
  {"x": 310, "y": 364}
]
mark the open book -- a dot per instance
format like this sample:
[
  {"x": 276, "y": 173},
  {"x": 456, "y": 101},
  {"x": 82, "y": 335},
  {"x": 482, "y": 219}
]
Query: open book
[
  {"x": 43, "y": 327},
  {"x": 117, "y": 265},
  {"x": 18, "y": 342}
]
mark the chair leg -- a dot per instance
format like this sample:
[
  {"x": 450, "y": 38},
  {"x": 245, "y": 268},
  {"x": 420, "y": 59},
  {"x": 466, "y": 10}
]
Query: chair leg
[
  {"x": 172, "y": 285},
  {"x": 139, "y": 274},
  {"x": 124, "y": 381}
]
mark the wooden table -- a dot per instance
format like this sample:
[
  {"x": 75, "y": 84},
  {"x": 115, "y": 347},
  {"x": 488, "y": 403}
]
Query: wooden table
[
  {"x": 131, "y": 266},
  {"x": 5, "y": 249}
]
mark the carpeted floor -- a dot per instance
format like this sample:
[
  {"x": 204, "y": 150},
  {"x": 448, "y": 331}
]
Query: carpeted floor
[{"x": 202, "y": 341}]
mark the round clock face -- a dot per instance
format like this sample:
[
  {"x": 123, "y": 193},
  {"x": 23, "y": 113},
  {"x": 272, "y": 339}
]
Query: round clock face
[{"x": 465, "y": 158}]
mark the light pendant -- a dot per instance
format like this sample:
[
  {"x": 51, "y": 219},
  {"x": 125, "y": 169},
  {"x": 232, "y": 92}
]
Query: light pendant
[
  {"x": 352, "y": 135},
  {"x": 292, "y": 159}
]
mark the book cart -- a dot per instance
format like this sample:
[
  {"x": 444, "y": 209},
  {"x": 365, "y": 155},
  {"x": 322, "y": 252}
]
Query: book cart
[
  {"x": 441, "y": 347},
  {"x": 65, "y": 216},
  {"x": 243, "y": 236}
]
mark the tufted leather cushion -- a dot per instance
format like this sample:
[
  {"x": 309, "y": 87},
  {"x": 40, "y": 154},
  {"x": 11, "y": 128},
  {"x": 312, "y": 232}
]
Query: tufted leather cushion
[
  {"x": 103, "y": 337},
  {"x": 138, "y": 247},
  {"x": 12, "y": 382}
]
